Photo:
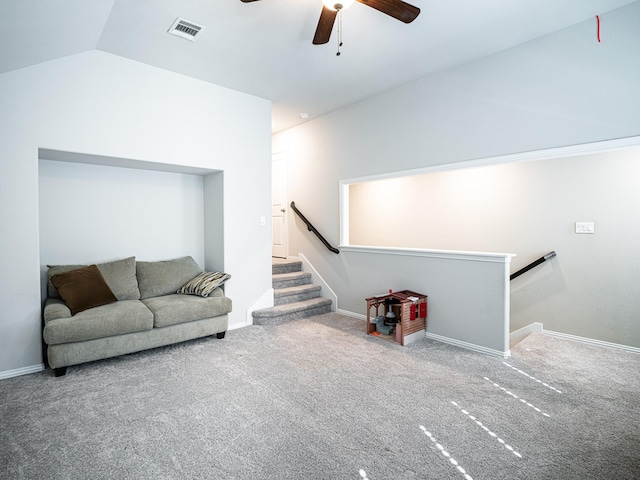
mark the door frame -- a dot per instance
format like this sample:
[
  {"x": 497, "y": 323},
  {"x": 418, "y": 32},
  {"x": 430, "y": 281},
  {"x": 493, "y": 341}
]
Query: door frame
[{"x": 281, "y": 156}]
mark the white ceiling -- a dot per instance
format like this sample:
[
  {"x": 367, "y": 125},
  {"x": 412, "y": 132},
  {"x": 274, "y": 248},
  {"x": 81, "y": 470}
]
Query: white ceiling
[{"x": 264, "y": 48}]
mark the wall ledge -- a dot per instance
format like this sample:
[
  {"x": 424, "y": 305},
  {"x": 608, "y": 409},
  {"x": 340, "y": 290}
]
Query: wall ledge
[{"x": 422, "y": 252}]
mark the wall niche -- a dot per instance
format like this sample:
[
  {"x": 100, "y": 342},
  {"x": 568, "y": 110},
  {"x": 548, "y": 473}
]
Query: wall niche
[{"x": 94, "y": 209}]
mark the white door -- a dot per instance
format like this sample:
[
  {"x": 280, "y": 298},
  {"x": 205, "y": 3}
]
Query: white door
[{"x": 279, "y": 205}]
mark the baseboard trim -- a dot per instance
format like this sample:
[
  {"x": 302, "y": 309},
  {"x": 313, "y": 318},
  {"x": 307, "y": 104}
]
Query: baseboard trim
[
  {"x": 413, "y": 337},
  {"x": 236, "y": 326},
  {"x": 468, "y": 346},
  {"x": 591, "y": 341},
  {"x": 317, "y": 279},
  {"x": 440, "y": 338},
  {"x": 517, "y": 336},
  {"x": 265, "y": 301},
  {"x": 347, "y": 313},
  {"x": 21, "y": 371},
  {"x": 521, "y": 333}
]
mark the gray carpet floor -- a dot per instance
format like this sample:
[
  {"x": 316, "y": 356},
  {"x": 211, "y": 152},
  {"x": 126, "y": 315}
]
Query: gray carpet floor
[{"x": 319, "y": 399}]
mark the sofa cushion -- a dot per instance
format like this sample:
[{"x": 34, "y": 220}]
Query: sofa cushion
[
  {"x": 120, "y": 275},
  {"x": 83, "y": 288},
  {"x": 165, "y": 277},
  {"x": 113, "y": 319},
  {"x": 204, "y": 283},
  {"x": 173, "y": 309}
]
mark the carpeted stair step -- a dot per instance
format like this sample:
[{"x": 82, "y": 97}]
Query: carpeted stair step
[
  {"x": 286, "y": 266},
  {"x": 293, "y": 279},
  {"x": 292, "y": 311},
  {"x": 283, "y": 296}
]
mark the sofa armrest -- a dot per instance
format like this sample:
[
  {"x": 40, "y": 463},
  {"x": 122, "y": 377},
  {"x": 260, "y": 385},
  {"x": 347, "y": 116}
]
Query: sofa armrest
[
  {"x": 217, "y": 292},
  {"x": 55, "y": 308}
]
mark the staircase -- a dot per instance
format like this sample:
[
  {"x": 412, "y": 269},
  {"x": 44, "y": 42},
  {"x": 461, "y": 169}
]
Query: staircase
[{"x": 294, "y": 295}]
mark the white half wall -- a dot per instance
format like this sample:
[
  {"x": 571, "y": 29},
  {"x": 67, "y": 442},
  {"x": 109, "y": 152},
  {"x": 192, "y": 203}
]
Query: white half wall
[
  {"x": 468, "y": 293},
  {"x": 100, "y": 104}
]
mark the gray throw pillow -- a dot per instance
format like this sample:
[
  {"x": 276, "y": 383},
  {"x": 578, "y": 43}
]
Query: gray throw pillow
[{"x": 165, "y": 277}]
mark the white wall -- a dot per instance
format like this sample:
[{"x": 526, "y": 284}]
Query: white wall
[
  {"x": 95, "y": 213},
  {"x": 563, "y": 89},
  {"x": 100, "y": 104}
]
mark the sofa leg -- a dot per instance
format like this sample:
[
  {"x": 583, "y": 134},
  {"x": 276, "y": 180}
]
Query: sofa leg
[
  {"x": 60, "y": 372},
  {"x": 220, "y": 334}
]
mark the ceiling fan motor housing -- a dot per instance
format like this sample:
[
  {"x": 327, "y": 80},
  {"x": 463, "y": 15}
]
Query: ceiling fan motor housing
[
  {"x": 337, "y": 5},
  {"x": 397, "y": 9}
]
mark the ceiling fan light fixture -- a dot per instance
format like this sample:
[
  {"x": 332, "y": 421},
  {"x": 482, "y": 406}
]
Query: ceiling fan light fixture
[{"x": 337, "y": 5}]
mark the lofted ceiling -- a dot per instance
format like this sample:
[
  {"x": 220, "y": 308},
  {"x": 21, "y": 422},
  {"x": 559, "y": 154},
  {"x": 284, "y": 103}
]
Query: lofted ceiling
[{"x": 264, "y": 47}]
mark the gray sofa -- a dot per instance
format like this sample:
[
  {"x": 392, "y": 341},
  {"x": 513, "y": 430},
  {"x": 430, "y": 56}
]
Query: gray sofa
[{"x": 145, "y": 313}]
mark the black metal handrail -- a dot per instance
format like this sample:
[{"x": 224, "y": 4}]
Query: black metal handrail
[
  {"x": 313, "y": 229},
  {"x": 543, "y": 259}
]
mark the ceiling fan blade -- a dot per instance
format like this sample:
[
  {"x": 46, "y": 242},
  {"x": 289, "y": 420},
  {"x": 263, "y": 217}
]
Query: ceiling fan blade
[
  {"x": 394, "y": 8},
  {"x": 325, "y": 25},
  {"x": 248, "y": 1}
]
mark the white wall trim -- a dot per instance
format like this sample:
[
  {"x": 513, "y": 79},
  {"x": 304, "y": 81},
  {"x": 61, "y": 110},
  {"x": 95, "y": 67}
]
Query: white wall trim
[
  {"x": 265, "y": 301},
  {"x": 413, "y": 337},
  {"x": 517, "y": 336},
  {"x": 347, "y": 313},
  {"x": 92, "y": 159},
  {"x": 21, "y": 371},
  {"x": 440, "y": 338},
  {"x": 468, "y": 346},
  {"x": 236, "y": 326},
  {"x": 546, "y": 154},
  {"x": 282, "y": 156},
  {"x": 317, "y": 279},
  {"x": 344, "y": 213},
  {"x": 422, "y": 252},
  {"x": 592, "y": 341}
]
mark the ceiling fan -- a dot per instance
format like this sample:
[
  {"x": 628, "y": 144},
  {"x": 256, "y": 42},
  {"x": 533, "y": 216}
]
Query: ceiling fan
[{"x": 394, "y": 8}]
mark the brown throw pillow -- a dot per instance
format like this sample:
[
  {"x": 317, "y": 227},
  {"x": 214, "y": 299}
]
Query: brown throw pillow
[{"x": 83, "y": 288}]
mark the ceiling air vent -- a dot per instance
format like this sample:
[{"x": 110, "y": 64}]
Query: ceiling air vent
[{"x": 185, "y": 29}]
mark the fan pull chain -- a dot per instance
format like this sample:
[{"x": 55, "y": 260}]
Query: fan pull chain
[{"x": 339, "y": 32}]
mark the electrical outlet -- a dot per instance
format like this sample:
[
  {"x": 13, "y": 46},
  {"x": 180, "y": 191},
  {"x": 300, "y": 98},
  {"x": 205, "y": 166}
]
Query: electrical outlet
[
  {"x": 585, "y": 227},
  {"x": 263, "y": 221}
]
